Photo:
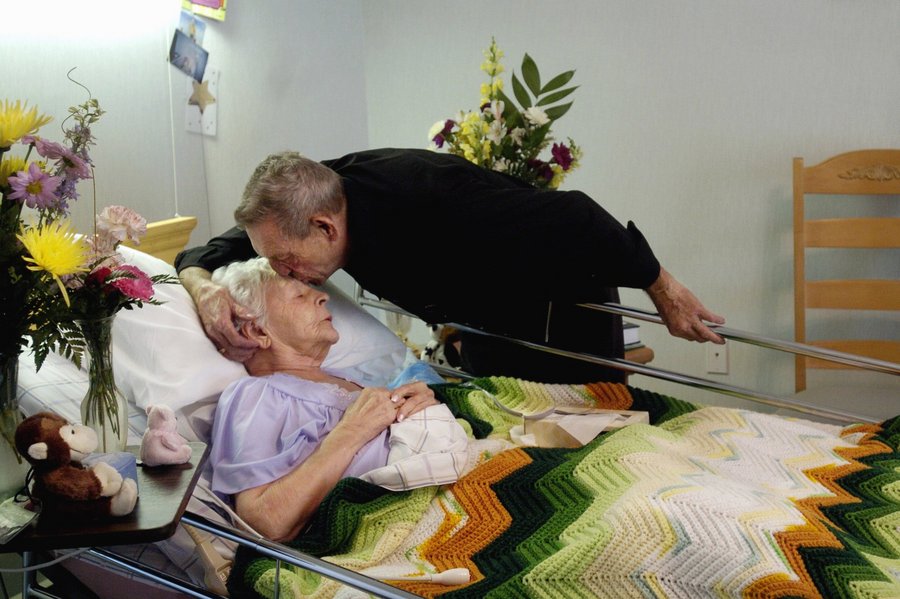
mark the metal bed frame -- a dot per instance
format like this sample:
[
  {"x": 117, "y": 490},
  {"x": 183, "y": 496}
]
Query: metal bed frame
[{"x": 377, "y": 588}]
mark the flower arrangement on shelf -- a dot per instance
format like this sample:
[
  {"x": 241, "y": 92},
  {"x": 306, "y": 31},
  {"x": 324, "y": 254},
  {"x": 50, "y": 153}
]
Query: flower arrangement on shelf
[
  {"x": 504, "y": 137},
  {"x": 55, "y": 284}
]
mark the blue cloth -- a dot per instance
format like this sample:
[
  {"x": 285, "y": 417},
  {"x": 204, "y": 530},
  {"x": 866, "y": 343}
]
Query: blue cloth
[
  {"x": 416, "y": 371},
  {"x": 265, "y": 427}
]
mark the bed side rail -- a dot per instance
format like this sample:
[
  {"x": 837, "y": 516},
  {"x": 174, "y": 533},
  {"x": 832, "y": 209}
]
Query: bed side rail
[
  {"x": 676, "y": 377},
  {"x": 282, "y": 553}
]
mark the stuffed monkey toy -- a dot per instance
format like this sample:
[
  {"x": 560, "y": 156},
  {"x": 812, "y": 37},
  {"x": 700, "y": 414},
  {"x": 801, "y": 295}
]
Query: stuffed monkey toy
[{"x": 55, "y": 448}]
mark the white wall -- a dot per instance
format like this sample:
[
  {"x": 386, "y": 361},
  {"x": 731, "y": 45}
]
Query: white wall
[
  {"x": 292, "y": 79},
  {"x": 120, "y": 56},
  {"x": 689, "y": 114}
]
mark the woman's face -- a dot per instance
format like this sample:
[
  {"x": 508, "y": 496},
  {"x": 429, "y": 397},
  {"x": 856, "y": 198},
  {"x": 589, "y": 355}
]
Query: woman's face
[{"x": 296, "y": 315}]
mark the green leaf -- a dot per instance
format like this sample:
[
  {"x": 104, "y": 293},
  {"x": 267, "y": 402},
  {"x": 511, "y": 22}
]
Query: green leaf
[
  {"x": 557, "y": 111},
  {"x": 531, "y": 75},
  {"x": 558, "y": 81},
  {"x": 556, "y": 97},
  {"x": 536, "y": 137},
  {"x": 520, "y": 93},
  {"x": 511, "y": 113}
]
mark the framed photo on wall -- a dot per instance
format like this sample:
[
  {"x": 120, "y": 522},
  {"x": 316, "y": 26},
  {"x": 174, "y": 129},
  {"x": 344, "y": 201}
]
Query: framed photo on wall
[{"x": 187, "y": 56}]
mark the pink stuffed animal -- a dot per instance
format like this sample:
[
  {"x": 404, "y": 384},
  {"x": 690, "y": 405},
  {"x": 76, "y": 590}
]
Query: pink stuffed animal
[{"x": 161, "y": 444}]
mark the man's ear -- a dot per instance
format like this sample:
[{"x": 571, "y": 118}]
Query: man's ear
[
  {"x": 326, "y": 224},
  {"x": 254, "y": 332}
]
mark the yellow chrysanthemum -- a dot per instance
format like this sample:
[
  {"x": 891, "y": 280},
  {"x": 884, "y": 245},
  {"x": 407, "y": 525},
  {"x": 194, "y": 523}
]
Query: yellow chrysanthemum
[
  {"x": 17, "y": 120},
  {"x": 55, "y": 249},
  {"x": 9, "y": 167}
]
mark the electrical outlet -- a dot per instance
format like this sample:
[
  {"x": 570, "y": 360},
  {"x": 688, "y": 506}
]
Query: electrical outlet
[{"x": 716, "y": 358}]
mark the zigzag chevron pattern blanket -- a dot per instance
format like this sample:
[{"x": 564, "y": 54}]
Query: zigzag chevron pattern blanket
[{"x": 703, "y": 502}]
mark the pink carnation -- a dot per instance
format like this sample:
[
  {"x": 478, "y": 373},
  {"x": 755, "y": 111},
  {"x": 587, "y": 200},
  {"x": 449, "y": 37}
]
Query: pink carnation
[
  {"x": 135, "y": 285},
  {"x": 118, "y": 223}
]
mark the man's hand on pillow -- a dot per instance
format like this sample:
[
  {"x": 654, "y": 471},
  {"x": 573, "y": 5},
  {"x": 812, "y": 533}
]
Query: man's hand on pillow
[{"x": 218, "y": 312}]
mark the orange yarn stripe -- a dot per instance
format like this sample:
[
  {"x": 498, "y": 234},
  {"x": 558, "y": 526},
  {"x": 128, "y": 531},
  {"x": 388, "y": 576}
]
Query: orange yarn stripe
[
  {"x": 610, "y": 396},
  {"x": 815, "y": 534},
  {"x": 487, "y": 520}
]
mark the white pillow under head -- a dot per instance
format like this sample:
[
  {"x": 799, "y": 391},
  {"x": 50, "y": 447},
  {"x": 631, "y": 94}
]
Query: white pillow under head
[{"x": 162, "y": 355}]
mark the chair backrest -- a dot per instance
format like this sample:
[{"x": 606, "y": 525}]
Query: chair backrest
[{"x": 864, "y": 172}]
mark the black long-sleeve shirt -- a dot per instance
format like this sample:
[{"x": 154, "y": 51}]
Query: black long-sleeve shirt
[{"x": 453, "y": 242}]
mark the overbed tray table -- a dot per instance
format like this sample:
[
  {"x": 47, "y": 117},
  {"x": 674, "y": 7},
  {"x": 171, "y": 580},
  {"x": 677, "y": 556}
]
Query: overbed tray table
[{"x": 163, "y": 494}]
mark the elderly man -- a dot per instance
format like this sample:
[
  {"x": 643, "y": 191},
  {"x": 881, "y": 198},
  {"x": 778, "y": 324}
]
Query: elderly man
[{"x": 449, "y": 242}]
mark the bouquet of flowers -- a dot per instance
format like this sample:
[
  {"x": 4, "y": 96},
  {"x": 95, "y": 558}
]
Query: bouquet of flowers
[
  {"x": 508, "y": 138},
  {"x": 37, "y": 252},
  {"x": 53, "y": 280}
]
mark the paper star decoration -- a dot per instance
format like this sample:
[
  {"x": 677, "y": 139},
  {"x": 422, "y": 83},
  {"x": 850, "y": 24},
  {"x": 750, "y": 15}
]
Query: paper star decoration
[{"x": 201, "y": 96}]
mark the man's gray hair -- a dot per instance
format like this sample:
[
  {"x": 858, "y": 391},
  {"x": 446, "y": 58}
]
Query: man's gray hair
[
  {"x": 246, "y": 282},
  {"x": 290, "y": 189}
]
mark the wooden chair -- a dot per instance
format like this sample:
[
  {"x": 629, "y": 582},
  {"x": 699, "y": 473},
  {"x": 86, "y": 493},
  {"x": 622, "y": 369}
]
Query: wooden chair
[{"x": 860, "y": 173}]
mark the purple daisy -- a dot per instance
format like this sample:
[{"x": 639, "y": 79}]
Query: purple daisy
[
  {"x": 35, "y": 187},
  {"x": 74, "y": 165}
]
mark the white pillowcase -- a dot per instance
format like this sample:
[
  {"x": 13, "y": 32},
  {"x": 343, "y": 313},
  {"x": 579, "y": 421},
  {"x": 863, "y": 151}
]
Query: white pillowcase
[{"x": 161, "y": 353}]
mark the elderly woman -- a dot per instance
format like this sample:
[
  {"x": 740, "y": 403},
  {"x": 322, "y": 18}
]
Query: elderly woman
[{"x": 285, "y": 435}]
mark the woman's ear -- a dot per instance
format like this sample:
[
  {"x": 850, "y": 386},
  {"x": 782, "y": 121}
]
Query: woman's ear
[{"x": 254, "y": 332}]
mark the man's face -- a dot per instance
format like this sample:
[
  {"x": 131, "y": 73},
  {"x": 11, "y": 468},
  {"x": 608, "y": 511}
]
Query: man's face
[{"x": 311, "y": 260}]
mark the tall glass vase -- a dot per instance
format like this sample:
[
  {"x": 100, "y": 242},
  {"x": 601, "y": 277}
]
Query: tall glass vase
[
  {"x": 12, "y": 467},
  {"x": 104, "y": 408}
]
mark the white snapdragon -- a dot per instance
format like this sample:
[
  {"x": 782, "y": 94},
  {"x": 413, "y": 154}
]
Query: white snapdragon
[
  {"x": 517, "y": 135},
  {"x": 496, "y": 109}
]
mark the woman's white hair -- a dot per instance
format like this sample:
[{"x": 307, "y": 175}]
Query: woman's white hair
[{"x": 246, "y": 282}]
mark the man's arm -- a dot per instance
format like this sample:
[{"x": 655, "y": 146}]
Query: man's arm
[
  {"x": 231, "y": 246},
  {"x": 681, "y": 311}
]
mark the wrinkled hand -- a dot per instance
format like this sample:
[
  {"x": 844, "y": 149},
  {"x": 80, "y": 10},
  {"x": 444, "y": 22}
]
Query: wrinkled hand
[
  {"x": 371, "y": 413},
  {"x": 413, "y": 397},
  {"x": 681, "y": 311},
  {"x": 218, "y": 312}
]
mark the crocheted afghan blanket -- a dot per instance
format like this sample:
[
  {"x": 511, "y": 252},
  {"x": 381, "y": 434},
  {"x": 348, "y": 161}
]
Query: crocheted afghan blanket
[{"x": 702, "y": 502}]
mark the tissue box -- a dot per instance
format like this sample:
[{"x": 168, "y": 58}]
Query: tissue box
[
  {"x": 575, "y": 427},
  {"x": 124, "y": 462}
]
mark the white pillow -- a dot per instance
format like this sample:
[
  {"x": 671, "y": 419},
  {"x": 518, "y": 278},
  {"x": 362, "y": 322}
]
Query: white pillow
[{"x": 162, "y": 354}]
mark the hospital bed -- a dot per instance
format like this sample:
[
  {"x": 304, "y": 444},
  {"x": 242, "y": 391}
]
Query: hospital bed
[{"x": 162, "y": 355}]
